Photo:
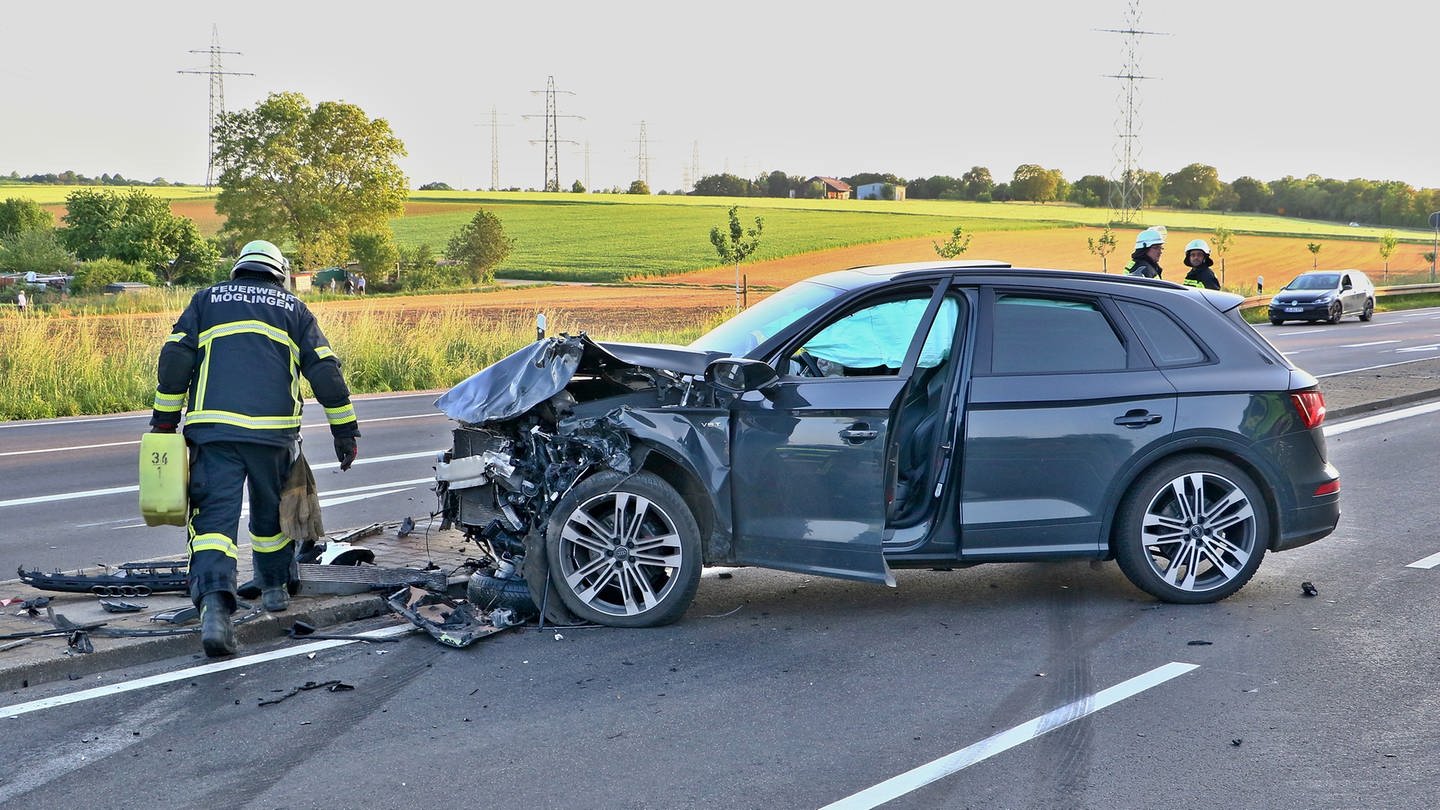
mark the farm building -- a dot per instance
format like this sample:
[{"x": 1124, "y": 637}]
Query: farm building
[
  {"x": 833, "y": 189},
  {"x": 880, "y": 191}
]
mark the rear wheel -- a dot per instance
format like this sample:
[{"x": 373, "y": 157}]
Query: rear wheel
[
  {"x": 1369, "y": 311},
  {"x": 624, "y": 550},
  {"x": 1192, "y": 530}
]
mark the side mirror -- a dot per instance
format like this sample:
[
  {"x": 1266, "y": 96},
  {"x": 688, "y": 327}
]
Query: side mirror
[{"x": 739, "y": 374}]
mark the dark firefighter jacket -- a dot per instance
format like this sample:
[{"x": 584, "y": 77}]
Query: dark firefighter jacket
[{"x": 234, "y": 360}]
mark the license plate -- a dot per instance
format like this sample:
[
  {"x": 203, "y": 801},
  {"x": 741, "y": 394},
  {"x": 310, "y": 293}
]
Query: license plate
[{"x": 1294, "y": 309}]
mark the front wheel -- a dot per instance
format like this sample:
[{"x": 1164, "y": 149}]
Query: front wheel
[
  {"x": 1274, "y": 321},
  {"x": 1192, "y": 530},
  {"x": 1369, "y": 311},
  {"x": 1336, "y": 313},
  {"x": 624, "y": 550}
]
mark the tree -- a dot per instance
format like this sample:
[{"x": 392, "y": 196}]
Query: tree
[
  {"x": 436, "y": 186},
  {"x": 958, "y": 243},
  {"x": 480, "y": 245},
  {"x": 375, "y": 251},
  {"x": 1103, "y": 246},
  {"x": 638, "y": 187},
  {"x": 137, "y": 228},
  {"x": 92, "y": 276},
  {"x": 977, "y": 181},
  {"x": 18, "y": 215},
  {"x": 1388, "y": 242},
  {"x": 1034, "y": 183},
  {"x": 777, "y": 184},
  {"x": 577, "y": 187},
  {"x": 1220, "y": 243},
  {"x": 1192, "y": 186},
  {"x": 309, "y": 176},
  {"x": 1091, "y": 191},
  {"x": 1314, "y": 248},
  {"x": 722, "y": 185},
  {"x": 36, "y": 250},
  {"x": 736, "y": 244}
]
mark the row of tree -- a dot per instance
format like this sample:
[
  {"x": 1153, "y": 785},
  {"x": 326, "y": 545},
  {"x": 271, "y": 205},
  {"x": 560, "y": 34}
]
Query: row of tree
[
  {"x": 70, "y": 178},
  {"x": 1197, "y": 187}
]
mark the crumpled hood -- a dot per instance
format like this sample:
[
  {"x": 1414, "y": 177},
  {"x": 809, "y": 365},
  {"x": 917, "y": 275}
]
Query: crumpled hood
[{"x": 517, "y": 383}]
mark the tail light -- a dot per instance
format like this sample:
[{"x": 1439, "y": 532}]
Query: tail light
[
  {"x": 1311, "y": 407},
  {"x": 1329, "y": 488}
]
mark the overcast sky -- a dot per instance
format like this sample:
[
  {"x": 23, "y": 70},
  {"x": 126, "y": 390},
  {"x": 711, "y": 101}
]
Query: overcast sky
[{"x": 833, "y": 88}]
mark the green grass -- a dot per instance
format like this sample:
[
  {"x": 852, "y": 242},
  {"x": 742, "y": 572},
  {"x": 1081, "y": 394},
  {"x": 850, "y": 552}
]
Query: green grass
[
  {"x": 61, "y": 366},
  {"x": 594, "y": 239}
]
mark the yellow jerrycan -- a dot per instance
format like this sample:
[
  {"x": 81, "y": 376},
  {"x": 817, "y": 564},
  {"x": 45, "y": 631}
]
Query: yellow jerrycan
[{"x": 164, "y": 479}]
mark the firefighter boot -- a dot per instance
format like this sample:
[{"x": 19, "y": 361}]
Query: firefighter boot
[
  {"x": 217, "y": 635},
  {"x": 275, "y": 600}
]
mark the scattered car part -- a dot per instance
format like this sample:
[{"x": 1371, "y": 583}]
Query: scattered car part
[
  {"x": 132, "y": 579},
  {"x": 501, "y": 587},
  {"x": 328, "y": 686},
  {"x": 406, "y": 527},
  {"x": 79, "y": 641},
  {"x": 1308, "y": 588},
  {"x": 448, "y": 622},
  {"x": 339, "y": 552},
  {"x": 113, "y": 606}
]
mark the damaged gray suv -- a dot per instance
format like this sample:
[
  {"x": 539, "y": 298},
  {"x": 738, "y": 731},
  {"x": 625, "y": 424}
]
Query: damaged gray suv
[{"x": 915, "y": 416}]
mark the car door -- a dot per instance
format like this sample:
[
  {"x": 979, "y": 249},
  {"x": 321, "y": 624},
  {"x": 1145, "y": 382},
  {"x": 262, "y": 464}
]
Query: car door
[
  {"x": 1062, "y": 398},
  {"x": 809, "y": 453},
  {"x": 1351, "y": 296}
]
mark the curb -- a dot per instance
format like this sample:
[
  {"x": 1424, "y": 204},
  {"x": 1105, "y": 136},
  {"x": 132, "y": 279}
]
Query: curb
[
  {"x": 1382, "y": 404},
  {"x": 138, "y": 651}
]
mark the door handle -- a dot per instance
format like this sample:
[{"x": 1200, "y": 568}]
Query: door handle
[
  {"x": 857, "y": 433},
  {"x": 1138, "y": 419}
]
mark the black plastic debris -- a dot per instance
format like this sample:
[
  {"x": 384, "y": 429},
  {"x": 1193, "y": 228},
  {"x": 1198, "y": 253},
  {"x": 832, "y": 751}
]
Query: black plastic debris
[
  {"x": 1236, "y": 742},
  {"x": 328, "y": 686},
  {"x": 449, "y": 622},
  {"x": 117, "y": 606},
  {"x": 79, "y": 641},
  {"x": 406, "y": 526},
  {"x": 1198, "y": 643},
  {"x": 32, "y": 606},
  {"x": 1308, "y": 588},
  {"x": 306, "y": 630}
]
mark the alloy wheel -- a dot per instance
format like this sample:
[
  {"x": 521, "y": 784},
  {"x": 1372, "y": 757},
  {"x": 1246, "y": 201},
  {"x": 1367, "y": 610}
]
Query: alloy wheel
[
  {"x": 620, "y": 553},
  {"x": 1199, "y": 532}
]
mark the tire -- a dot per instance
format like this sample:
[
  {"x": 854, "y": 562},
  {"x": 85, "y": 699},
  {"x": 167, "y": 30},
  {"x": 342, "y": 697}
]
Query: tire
[
  {"x": 1336, "y": 313},
  {"x": 1369, "y": 311},
  {"x": 1179, "y": 553},
  {"x": 488, "y": 592},
  {"x": 1274, "y": 321},
  {"x": 597, "y": 571}
]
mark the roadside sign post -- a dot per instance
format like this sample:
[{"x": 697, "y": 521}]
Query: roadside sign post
[{"x": 1434, "y": 246}]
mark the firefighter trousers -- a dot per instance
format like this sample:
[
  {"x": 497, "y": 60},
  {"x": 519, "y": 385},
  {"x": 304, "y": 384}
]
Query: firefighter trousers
[{"x": 220, "y": 474}]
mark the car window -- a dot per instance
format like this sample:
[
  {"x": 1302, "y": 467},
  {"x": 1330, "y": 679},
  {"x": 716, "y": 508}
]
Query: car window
[
  {"x": 1346, "y": 283},
  {"x": 1034, "y": 335},
  {"x": 761, "y": 322},
  {"x": 875, "y": 339},
  {"x": 1167, "y": 341},
  {"x": 1313, "y": 281}
]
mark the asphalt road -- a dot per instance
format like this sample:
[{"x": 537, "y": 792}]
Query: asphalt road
[
  {"x": 1006, "y": 686},
  {"x": 1325, "y": 349}
]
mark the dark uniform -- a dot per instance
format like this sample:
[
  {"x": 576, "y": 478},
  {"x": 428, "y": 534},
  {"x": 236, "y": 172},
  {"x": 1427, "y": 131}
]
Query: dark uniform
[
  {"x": 1202, "y": 276},
  {"x": 1140, "y": 265},
  {"x": 234, "y": 359}
]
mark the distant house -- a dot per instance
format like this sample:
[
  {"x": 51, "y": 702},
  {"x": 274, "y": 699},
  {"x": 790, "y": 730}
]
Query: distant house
[
  {"x": 833, "y": 189},
  {"x": 880, "y": 191}
]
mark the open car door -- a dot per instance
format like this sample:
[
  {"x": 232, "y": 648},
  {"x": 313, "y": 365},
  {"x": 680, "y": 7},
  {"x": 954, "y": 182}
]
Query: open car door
[{"x": 809, "y": 452}]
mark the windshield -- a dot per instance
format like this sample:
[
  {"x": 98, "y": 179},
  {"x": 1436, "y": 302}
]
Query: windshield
[
  {"x": 1314, "y": 281},
  {"x": 742, "y": 333}
]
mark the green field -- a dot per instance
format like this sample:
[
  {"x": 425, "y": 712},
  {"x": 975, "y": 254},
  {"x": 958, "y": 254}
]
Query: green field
[{"x": 600, "y": 240}]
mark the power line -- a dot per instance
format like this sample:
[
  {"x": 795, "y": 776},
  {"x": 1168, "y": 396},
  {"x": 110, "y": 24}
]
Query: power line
[
  {"x": 552, "y": 136},
  {"x": 1126, "y": 197},
  {"x": 217, "y": 74}
]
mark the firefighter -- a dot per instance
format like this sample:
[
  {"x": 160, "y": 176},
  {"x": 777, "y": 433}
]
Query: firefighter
[
  {"x": 1197, "y": 258},
  {"x": 1145, "y": 261},
  {"x": 233, "y": 361}
]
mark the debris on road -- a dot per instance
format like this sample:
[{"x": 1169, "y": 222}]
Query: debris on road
[
  {"x": 406, "y": 527},
  {"x": 328, "y": 686},
  {"x": 117, "y": 606},
  {"x": 129, "y": 579},
  {"x": 451, "y": 623},
  {"x": 1308, "y": 588},
  {"x": 1198, "y": 643},
  {"x": 306, "y": 630}
]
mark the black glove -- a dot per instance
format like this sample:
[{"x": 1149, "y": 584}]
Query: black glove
[
  {"x": 346, "y": 450},
  {"x": 162, "y": 428}
]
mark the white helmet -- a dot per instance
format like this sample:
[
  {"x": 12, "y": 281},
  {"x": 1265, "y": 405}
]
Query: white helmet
[
  {"x": 264, "y": 253},
  {"x": 1150, "y": 237},
  {"x": 1198, "y": 244}
]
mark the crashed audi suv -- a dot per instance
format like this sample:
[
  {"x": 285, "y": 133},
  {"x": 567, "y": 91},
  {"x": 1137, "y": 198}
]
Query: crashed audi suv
[{"x": 933, "y": 415}]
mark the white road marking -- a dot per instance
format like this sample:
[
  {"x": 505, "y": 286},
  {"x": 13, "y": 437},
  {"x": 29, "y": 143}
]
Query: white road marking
[
  {"x": 1374, "y": 324},
  {"x": 916, "y": 778},
  {"x": 1363, "y": 345},
  {"x": 1370, "y": 368},
  {"x": 1429, "y": 562},
  {"x": 191, "y": 672},
  {"x": 94, "y": 493},
  {"x": 1430, "y": 348},
  {"x": 1380, "y": 419}
]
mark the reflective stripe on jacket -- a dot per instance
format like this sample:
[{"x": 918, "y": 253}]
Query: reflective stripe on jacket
[{"x": 236, "y": 356}]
